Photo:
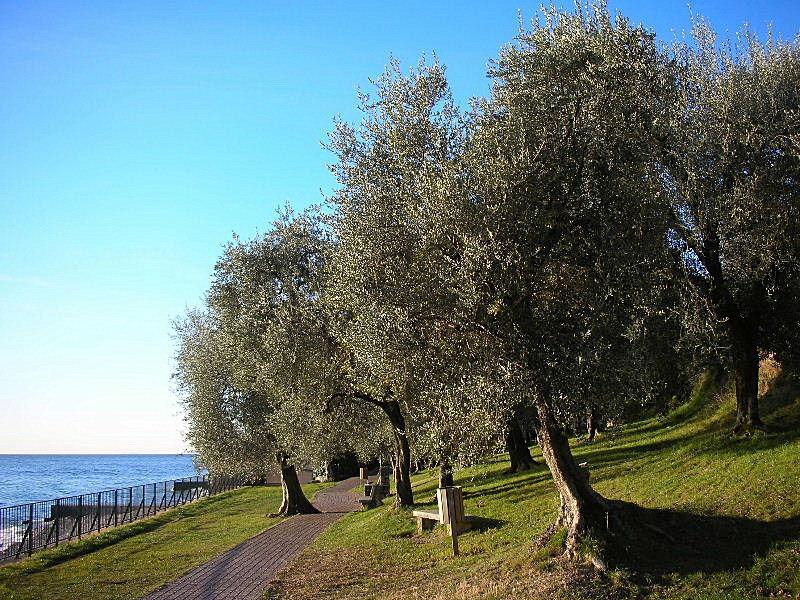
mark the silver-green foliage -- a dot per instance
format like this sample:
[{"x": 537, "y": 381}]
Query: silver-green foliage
[
  {"x": 566, "y": 232},
  {"x": 402, "y": 196}
]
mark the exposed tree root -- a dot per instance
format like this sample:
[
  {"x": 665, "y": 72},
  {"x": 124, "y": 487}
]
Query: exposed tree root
[{"x": 746, "y": 427}]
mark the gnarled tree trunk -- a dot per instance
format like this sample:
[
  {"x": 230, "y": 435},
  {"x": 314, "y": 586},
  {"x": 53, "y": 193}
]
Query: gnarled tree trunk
[
  {"x": 583, "y": 510},
  {"x": 745, "y": 375},
  {"x": 294, "y": 500},
  {"x": 742, "y": 333},
  {"x": 518, "y": 452},
  {"x": 402, "y": 460}
]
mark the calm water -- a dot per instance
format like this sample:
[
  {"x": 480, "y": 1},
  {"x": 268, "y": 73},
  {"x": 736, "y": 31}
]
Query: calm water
[{"x": 31, "y": 477}]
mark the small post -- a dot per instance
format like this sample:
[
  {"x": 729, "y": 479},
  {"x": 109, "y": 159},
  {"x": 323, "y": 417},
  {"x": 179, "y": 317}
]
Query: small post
[
  {"x": 80, "y": 515},
  {"x": 30, "y": 529},
  {"x": 362, "y": 473},
  {"x": 130, "y": 506},
  {"x": 58, "y": 519}
]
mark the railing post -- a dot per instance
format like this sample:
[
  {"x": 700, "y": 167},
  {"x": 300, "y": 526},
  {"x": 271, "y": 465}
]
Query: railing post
[
  {"x": 30, "y": 529},
  {"x": 58, "y": 519},
  {"x": 130, "y": 505},
  {"x": 99, "y": 510},
  {"x": 115, "y": 507},
  {"x": 80, "y": 515}
]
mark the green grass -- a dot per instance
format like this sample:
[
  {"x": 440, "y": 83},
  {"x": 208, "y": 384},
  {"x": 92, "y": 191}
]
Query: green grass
[
  {"x": 718, "y": 518},
  {"x": 132, "y": 560}
]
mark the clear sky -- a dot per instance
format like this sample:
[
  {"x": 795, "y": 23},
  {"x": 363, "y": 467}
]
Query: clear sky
[{"x": 136, "y": 137}]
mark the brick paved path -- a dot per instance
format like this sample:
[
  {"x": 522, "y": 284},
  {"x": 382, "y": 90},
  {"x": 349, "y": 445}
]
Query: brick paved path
[{"x": 243, "y": 572}]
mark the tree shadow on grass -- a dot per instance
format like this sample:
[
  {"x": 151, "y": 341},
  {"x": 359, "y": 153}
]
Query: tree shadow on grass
[
  {"x": 520, "y": 486},
  {"x": 483, "y": 524},
  {"x": 503, "y": 477},
  {"x": 653, "y": 543}
]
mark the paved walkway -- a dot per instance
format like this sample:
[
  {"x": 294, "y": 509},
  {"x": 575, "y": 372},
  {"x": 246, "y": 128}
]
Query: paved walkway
[{"x": 243, "y": 572}]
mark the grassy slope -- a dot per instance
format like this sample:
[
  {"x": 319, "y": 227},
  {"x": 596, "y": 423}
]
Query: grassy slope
[
  {"x": 722, "y": 519},
  {"x": 130, "y": 561}
]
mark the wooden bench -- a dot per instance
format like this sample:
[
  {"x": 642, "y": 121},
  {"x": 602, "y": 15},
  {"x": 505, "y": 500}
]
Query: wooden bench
[
  {"x": 450, "y": 512},
  {"x": 427, "y": 520},
  {"x": 372, "y": 497}
]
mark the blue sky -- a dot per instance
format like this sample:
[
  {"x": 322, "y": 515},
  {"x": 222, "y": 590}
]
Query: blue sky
[{"x": 136, "y": 137}]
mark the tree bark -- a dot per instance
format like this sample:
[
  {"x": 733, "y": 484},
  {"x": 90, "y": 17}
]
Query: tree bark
[
  {"x": 445, "y": 475},
  {"x": 518, "y": 452},
  {"x": 583, "y": 510},
  {"x": 745, "y": 374},
  {"x": 294, "y": 499},
  {"x": 402, "y": 463},
  {"x": 743, "y": 334},
  {"x": 592, "y": 422}
]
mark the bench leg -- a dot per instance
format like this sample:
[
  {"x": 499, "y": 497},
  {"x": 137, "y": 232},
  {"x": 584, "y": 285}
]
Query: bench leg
[{"x": 425, "y": 524}]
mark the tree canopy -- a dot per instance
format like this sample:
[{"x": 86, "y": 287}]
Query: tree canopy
[{"x": 616, "y": 214}]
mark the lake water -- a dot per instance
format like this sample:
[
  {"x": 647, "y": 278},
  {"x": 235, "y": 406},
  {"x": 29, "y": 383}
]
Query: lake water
[{"x": 32, "y": 477}]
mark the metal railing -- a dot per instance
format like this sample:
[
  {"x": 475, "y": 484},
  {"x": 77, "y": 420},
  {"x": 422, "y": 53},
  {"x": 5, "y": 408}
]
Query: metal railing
[{"x": 26, "y": 528}]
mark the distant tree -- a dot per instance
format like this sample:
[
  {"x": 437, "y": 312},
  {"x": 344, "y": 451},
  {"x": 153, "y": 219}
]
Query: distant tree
[
  {"x": 260, "y": 329},
  {"x": 227, "y": 416},
  {"x": 732, "y": 182},
  {"x": 516, "y": 442},
  {"x": 278, "y": 287}
]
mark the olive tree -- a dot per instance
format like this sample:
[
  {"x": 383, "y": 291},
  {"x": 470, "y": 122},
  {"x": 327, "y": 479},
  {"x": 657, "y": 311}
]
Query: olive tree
[
  {"x": 401, "y": 180},
  {"x": 225, "y": 424},
  {"x": 732, "y": 185},
  {"x": 269, "y": 356},
  {"x": 226, "y": 412},
  {"x": 566, "y": 230}
]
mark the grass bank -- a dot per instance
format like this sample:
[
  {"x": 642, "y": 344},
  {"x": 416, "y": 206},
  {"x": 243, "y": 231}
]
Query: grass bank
[
  {"x": 720, "y": 519},
  {"x": 132, "y": 560}
]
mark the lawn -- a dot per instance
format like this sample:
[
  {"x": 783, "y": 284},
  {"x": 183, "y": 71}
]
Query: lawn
[
  {"x": 131, "y": 561},
  {"x": 719, "y": 519}
]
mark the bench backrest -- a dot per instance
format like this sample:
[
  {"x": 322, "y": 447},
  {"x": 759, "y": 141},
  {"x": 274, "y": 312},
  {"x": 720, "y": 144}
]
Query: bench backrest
[{"x": 451, "y": 504}]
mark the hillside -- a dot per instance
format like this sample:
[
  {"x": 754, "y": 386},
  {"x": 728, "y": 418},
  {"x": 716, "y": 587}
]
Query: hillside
[{"x": 720, "y": 518}]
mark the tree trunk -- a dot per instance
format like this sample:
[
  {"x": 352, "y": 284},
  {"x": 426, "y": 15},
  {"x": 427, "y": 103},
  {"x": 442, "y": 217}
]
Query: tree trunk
[
  {"x": 591, "y": 423},
  {"x": 445, "y": 475},
  {"x": 583, "y": 510},
  {"x": 743, "y": 334},
  {"x": 518, "y": 451},
  {"x": 745, "y": 375},
  {"x": 294, "y": 500},
  {"x": 402, "y": 463}
]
